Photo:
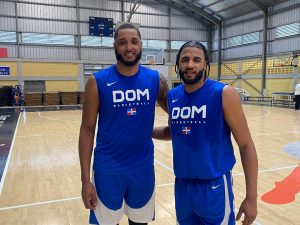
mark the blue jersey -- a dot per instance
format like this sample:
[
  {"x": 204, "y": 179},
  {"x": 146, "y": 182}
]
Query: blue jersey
[
  {"x": 125, "y": 120},
  {"x": 201, "y": 138}
]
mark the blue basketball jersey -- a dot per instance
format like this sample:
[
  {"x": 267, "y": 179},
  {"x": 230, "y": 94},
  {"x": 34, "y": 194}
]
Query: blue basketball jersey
[
  {"x": 201, "y": 138},
  {"x": 125, "y": 120}
]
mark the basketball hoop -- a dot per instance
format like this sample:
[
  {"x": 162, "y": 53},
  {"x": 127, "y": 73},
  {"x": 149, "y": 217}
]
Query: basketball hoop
[
  {"x": 133, "y": 8},
  {"x": 284, "y": 61},
  {"x": 151, "y": 64},
  {"x": 281, "y": 65}
]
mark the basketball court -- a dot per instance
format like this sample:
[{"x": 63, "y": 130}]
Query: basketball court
[
  {"x": 40, "y": 181},
  {"x": 49, "y": 49}
]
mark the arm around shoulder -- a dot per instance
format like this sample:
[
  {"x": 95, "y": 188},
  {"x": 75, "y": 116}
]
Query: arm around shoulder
[
  {"x": 162, "y": 93},
  {"x": 161, "y": 133}
]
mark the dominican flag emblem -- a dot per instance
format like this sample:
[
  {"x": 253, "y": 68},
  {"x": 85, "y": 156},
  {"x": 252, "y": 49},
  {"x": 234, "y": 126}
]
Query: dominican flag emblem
[
  {"x": 186, "y": 130},
  {"x": 131, "y": 112}
]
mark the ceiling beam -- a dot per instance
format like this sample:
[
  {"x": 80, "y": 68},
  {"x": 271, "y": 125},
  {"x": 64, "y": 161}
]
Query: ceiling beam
[
  {"x": 194, "y": 9},
  {"x": 192, "y": 2},
  {"x": 233, "y": 6},
  {"x": 213, "y": 3},
  {"x": 259, "y": 5},
  {"x": 187, "y": 12},
  {"x": 203, "y": 7}
]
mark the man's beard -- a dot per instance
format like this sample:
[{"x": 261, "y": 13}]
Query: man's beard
[
  {"x": 128, "y": 63},
  {"x": 191, "y": 81}
]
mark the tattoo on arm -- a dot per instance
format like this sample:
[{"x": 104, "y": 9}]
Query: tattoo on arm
[{"x": 162, "y": 93}]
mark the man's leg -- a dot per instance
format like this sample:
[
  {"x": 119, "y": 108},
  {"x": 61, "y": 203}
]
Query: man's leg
[
  {"x": 109, "y": 209},
  {"x": 183, "y": 204},
  {"x": 133, "y": 223},
  {"x": 139, "y": 197},
  {"x": 297, "y": 104},
  {"x": 212, "y": 200}
]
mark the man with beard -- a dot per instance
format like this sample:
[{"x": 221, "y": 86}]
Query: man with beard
[
  {"x": 123, "y": 98},
  {"x": 202, "y": 115}
]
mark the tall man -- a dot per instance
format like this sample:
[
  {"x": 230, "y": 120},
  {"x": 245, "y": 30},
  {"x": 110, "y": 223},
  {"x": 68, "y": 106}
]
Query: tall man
[
  {"x": 202, "y": 115},
  {"x": 123, "y": 98}
]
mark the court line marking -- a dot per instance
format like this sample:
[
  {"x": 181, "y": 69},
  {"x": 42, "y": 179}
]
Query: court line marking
[
  {"x": 164, "y": 165},
  {"x": 163, "y": 185},
  {"x": 41, "y": 135},
  {"x": 46, "y": 118},
  {"x": 285, "y": 132},
  {"x": 258, "y": 117},
  {"x": 73, "y": 198},
  {"x": 160, "y": 185},
  {"x": 57, "y": 200},
  {"x": 157, "y": 161},
  {"x": 235, "y": 174},
  {"x": 9, "y": 157},
  {"x": 268, "y": 170},
  {"x": 39, "y": 203}
]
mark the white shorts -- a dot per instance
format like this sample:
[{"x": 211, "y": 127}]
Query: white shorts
[{"x": 132, "y": 195}]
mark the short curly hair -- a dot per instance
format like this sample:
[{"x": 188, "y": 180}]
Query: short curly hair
[{"x": 126, "y": 25}]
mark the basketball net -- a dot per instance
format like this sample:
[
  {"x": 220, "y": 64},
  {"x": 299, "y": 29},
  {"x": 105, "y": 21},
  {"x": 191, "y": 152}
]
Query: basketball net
[
  {"x": 133, "y": 8},
  {"x": 151, "y": 64}
]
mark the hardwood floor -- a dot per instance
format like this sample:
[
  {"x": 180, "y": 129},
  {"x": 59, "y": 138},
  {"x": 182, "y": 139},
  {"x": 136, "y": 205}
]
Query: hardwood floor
[{"x": 42, "y": 183}]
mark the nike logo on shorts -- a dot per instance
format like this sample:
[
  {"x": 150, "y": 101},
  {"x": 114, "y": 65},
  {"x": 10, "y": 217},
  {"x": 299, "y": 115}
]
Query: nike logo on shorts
[{"x": 215, "y": 187}]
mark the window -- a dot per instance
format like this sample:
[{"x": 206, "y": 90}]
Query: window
[
  {"x": 178, "y": 44},
  {"x": 243, "y": 39},
  {"x": 288, "y": 30},
  {"x": 158, "y": 44},
  {"x": 91, "y": 41},
  {"x": 55, "y": 39},
  {"x": 48, "y": 39},
  {"x": 90, "y": 69},
  {"x": 34, "y": 86},
  {"x": 8, "y": 37},
  {"x": 94, "y": 41},
  {"x": 107, "y": 42},
  {"x": 234, "y": 41},
  {"x": 250, "y": 38}
]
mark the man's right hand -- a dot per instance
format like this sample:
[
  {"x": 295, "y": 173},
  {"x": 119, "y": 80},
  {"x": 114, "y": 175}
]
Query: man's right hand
[{"x": 88, "y": 194}]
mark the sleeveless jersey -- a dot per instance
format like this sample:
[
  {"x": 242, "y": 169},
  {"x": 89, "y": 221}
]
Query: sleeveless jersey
[
  {"x": 125, "y": 120},
  {"x": 201, "y": 138}
]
